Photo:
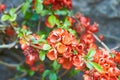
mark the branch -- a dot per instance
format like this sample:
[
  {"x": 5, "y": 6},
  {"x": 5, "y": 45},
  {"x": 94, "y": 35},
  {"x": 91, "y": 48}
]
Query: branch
[
  {"x": 102, "y": 43},
  {"x": 10, "y": 45},
  {"x": 9, "y": 65}
]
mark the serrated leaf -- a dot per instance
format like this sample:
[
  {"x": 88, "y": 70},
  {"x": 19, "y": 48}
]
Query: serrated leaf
[
  {"x": 74, "y": 72},
  {"x": 31, "y": 73},
  {"x": 96, "y": 66},
  {"x": 12, "y": 11},
  {"x": 53, "y": 76},
  {"x": 55, "y": 65},
  {"x": 39, "y": 7},
  {"x": 25, "y": 7},
  {"x": 45, "y": 12},
  {"x": 45, "y": 73},
  {"x": 42, "y": 55},
  {"x": 52, "y": 20},
  {"x": 13, "y": 17},
  {"x": 91, "y": 53},
  {"x": 89, "y": 65},
  {"x": 46, "y": 47},
  {"x": 61, "y": 12},
  {"x": 5, "y": 17}
]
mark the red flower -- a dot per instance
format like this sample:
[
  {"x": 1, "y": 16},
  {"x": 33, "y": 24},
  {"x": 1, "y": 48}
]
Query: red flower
[
  {"x": 66, "y": 64},
  {"x": 55, "y": 36},
  {"x": 67, "y": 38},
  {"x": 78, "y": 62},
  {"x": 61, "y": 48},
  {"x": 52, "y": 54}
]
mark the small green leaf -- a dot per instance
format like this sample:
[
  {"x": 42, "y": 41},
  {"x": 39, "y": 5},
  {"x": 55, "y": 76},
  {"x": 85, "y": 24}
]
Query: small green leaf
[
  {"x": 55, "y": 65},
  {"x": 91, "y": 53},
  {"x": 61, "y": 12},
  {"x": 31, "y": 73},
  {"x": 53, "y": 76},
  {"x": 52, "y": 20},
  {"x": 96, "y": 66},
  {"x": 13, "y": 17},
  {"x": 39, "y": 7},
  {"x": 46, "y": 47},
  {"x": 5, "y": 17},
  {"x": 88, "y": 64},
  {"x": 66, "y": 23},
  {"x": 45, "y": 12},
  {"x": 25, "y": 7},
  {"x": 12, "y": 11},
  {"x": 45, "y": 73},
  {"x": 74, "y": 72},
  {"x": 42, "y": 55}
]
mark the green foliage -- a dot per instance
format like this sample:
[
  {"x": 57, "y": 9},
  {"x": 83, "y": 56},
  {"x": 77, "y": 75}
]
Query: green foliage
[
  {"x": 52, "y": 20},
  {"x": 96, "y": 66},
  {"x": 42, "y": 55},
  {"x": 52, "y": 75},
  {"x": 9, "y": 17},
  {"x": 73, "y": 72},
  {"x": 38, "y": 6},
  {"x": 90, "y": 54},
  {"x": 25, "y": 7},
  {"x": 46, "y": 47},
  {"x": 55, "y": 65}
]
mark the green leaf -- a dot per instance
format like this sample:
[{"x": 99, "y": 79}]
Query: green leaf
[
  {"x": 72, "y": 31},
  {"x": 53, "y": 76},
  {"x": 45, "y": 12},
  {"x": 74, "y": 72},
  {"x": 55, "y": 65},
  {"x": 89, "y": 65},
  {"x": 96, "y": 66},
  {"x": 66, "y": 23},
  {"x": 46, "y": 47},
  {"x": 25, "y": 7},
  {"x": 91, "y": 53},
  {"x": 52, "y": 20},
  {"x": 13, "y": 17},
  {"x": 38, "y": 7},
  {"x": 12, "y": 11},
  {"x": 5, "y": 17},
  {"x": 61, "y": 12},
  {"x": 45, "y": 73},
  {"x": 31, "y": 73},
  {"x": 42, "y": 55}
]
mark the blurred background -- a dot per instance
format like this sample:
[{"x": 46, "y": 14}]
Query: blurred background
[{"x": 105, "y": 12}]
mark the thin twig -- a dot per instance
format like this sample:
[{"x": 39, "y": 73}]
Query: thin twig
[
  {"x": 10, "y": 45},
  {"x": 102, "y": 43},
  {"x": 20, "y": 76},
  {"x": 66, "y": 71},
  {"x": 9, "y": 65},
  {"x": 39, "y": 23}
]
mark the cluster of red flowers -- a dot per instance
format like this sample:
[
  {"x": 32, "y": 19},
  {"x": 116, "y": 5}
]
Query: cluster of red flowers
[
  {"x": 58, "y": 4},
  {"x": 65, "y": 49},
  {"x": 31, "y": 54},
  {"x": 86, "y": 30},
  {"x": 110, "y": 70}
]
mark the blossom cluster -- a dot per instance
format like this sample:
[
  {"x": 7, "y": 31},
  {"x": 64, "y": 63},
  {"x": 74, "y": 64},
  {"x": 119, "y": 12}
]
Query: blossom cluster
[{"x": 58, "y": 4}]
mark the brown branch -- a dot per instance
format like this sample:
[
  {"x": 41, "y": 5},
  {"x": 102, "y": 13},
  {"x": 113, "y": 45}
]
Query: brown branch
[
  {"x": 65, "y": 72},
  {"x": 10, "y": 45},
  {"x": 102, "y": 43}
]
